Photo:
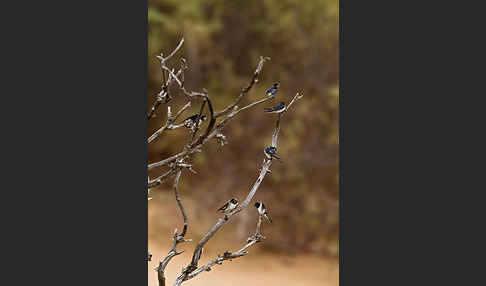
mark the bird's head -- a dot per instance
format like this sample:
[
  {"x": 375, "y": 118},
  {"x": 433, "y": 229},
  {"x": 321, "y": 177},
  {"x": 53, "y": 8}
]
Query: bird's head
[
  {"x": 234, "y": 200},
  {"x": 276, "y": 84},
  {"x": 203, "y": 117},
  {"x": 257, "y": 204}
]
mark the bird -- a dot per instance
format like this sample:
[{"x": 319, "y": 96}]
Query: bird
[
  {"x": 273, "y": 90},
  {"x": 275, "y": 109},
  {"x": 229, "y": 205},
  {"x": 263, "y": 211},
  {"x": 271, "y": 152},
  {"x": 191, "y": 120}
]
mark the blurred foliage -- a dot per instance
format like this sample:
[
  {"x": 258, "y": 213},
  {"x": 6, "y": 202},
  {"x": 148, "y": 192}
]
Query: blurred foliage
[{"x": 223, "y": 41}]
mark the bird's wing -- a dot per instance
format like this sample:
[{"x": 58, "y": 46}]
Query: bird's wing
[
  {"x": 193, "y": 117},
  {"x": 276, "y": 157},
  {"x": 267, "y": 216},
  {"x": 268, "y": 109},
  {"x": 223, "y": 207}
]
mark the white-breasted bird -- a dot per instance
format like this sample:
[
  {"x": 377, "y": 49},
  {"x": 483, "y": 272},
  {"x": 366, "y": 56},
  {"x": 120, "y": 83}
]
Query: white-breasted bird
[
  {"x": 273, "y": 89},
  {"x": 271, "y": 152},
  {"x": 263, "y": 211},
  {"x": 192, "y": 120},
  {"x": 229, "y": 205}
]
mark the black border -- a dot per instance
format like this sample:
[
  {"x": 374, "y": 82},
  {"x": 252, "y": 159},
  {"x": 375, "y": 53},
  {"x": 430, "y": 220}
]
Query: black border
[{"x": 78, "y": 202}]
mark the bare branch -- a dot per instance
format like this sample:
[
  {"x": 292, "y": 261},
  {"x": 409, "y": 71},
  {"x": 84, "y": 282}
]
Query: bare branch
[
  {"x": 163, "y": 60},
  {"x": 176, "y": 239},
  {"x": 164, "y": 96},
  {"x": 277, "y": 129},
  {"x": 192, "y": 267},
  {"x": 210, "y": 125},
  {"x": 157, "y": 181},
  {"x": 176, "y": 163},
  {"x": 222, "y": 221},
  {"x": 245, "y": 90},
  {"x": 169, "y": 123},
  {"x": 227, "y": 255},
  {"x": 208, "y": 135},
  {"x": 179, "y": 202}
]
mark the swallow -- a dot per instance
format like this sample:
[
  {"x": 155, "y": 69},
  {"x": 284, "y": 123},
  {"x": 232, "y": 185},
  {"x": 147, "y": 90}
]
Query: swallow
[
  {"x": 273, "y": 90},
  {"x": 191, "y": 121},
  {"x": 263, "y": 211},
  {"x": 229, "y": 205},
  {"x": 271, "y": 152},
  {"x": 275, "y": 109}
]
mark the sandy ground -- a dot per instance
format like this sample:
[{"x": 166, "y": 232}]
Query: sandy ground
[{"x": 253, "y": 269}]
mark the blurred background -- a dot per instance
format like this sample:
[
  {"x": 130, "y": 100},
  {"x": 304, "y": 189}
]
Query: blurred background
[{"x": 223, "y": 42}]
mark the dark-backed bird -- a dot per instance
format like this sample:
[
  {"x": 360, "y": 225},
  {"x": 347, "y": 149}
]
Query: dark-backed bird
[
  {"x": 190, "y": 121},
  {"x": 275, "y": 109},
  {"x": 263, "y": 211},
  {"x": 229, "y": 205},
  {"x": 271, "y": 152},
  {"x": 273, "y": 90}
]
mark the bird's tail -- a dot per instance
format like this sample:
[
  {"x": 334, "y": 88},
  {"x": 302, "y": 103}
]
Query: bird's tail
[
  {"x": 269, "y": 219},
  {"x": 268, "y": 109},
  {"x": 277, "y": 157}
]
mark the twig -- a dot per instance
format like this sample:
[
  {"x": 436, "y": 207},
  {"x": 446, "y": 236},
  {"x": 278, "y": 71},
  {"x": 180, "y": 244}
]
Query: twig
[
  {"x": 275, "y": 133},
  {"x": 163, "y": 60},
  {"x": 169, "y": 123},
  {"x": 227, "y": 255},
  {"x": 245, "y": 90},
  {"x": 176, "y": 239},
  {"x": 205, "y": 139},
  {"x": 164, "y": 93}
]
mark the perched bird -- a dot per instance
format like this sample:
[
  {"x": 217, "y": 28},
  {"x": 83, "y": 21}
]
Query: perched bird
[
  {"x": 271, "y": 152},
  {"x": 273, "y": 90},
  {"x": 190, "y": 121},
  {"x": 275, "y": 109},
  {"x": 263, "y": 211},
  {"x": 229, "y": 205}
]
